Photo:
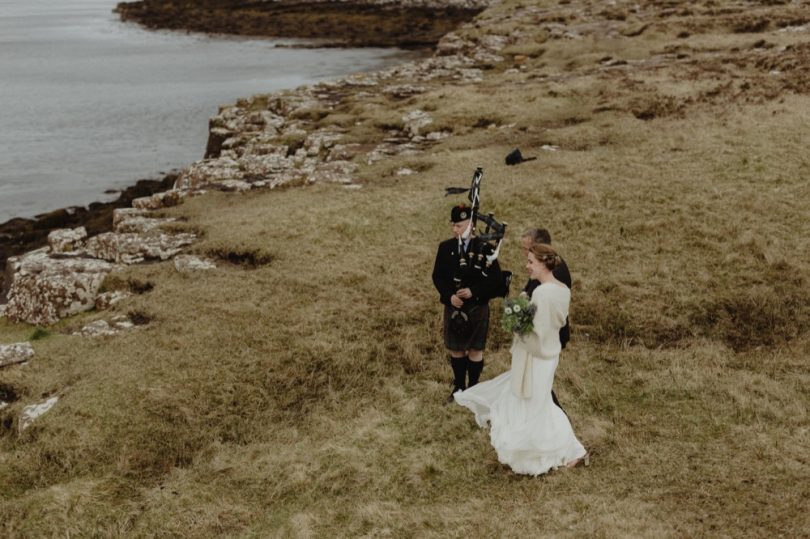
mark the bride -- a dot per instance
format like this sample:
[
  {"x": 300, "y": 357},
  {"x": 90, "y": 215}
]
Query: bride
[{"x": 529, "y": 433}]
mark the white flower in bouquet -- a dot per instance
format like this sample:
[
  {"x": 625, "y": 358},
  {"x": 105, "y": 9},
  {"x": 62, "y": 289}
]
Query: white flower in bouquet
[{"x": 518, "y": 315}]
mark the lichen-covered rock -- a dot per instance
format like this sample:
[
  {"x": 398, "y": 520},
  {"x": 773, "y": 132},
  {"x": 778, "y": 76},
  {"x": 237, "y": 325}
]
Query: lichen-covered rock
[
  {"x": 67, "y": 240},
  {"x": 470, "y": 75},
  {"x": 102, "y": 328},
  {"x": 130, "y": 248},
  {"x": 208, "y": 171},
  {"x": 387, "y": 149},
  {"x": 188, "y": 263},
  {"x": 108, "y": 299},
  {"x": 434, "y": 136},
  {"x": 230, "y": 186},
  {"x": 15, "y": 353},
  {"x": 320, "y": 141},
  {"x": 262, "y": 166},
  {"x": 334, "y": 172},
  {"x": 173, "y": 197},
  {"x": 343, "y": 152},
  {"x": 99, "y": 328},
  {"x": 124, "y": 214},
  {"x": 122, "y": 322},
  {"x": 451, "y": 43},
  {"x": 141, "y": 224},
  {"x": 415, "y": 121},
  {"x": 33, "y": 411},
  {"x": 403, "y": 90},
  {"x": 45, "y": 289}
]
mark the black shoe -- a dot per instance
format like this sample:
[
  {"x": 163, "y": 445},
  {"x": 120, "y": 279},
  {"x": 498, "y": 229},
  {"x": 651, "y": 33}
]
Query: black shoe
[{"x": 451, "y": 399}]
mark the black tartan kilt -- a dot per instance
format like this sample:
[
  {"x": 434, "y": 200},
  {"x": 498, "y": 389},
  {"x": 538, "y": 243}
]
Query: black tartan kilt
[{"x": 475, "y": 336}]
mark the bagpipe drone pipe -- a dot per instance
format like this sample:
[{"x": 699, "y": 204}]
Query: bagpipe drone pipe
[{"x": 488, "y": 247}]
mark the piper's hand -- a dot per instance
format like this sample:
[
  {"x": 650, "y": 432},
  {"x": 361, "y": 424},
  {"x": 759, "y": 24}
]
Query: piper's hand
[
  {"x": 464, "y": 293},
  {"x": 456, "y": 301}
]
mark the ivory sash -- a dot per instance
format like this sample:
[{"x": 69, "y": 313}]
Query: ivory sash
[{"x": 521, "y": 371}]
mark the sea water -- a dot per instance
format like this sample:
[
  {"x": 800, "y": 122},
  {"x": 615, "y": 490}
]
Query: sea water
[{"x": 89, "y": 104}]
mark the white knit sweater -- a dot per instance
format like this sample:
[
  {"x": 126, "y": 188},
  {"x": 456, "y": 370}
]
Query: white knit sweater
[{"x": 543, "y": 342}]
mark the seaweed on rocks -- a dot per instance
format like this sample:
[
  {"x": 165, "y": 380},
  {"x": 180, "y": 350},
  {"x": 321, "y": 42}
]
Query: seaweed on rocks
[{"x": 416, "y": 24}]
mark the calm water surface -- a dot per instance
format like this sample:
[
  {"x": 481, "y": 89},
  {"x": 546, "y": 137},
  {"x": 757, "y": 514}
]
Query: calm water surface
[{"x": 88, "y": 103}]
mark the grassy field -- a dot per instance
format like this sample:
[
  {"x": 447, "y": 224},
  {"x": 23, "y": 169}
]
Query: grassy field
[{"x": 302, "y": 396}]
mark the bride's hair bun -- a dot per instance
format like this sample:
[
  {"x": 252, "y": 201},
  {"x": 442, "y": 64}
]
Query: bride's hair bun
[{"x": 546, "y": 254}]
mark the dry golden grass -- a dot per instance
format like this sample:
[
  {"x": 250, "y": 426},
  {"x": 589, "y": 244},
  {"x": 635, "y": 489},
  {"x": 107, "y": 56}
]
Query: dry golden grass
[{"x": 302, "y": 397}]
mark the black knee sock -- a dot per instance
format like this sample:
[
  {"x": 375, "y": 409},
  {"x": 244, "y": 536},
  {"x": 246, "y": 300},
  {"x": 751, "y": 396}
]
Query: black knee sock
[
  {"x": 474, "y": 369},
  {"x": 459, "y": 365}
]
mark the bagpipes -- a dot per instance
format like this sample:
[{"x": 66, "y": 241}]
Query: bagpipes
[{"x": 486, "y": 250}]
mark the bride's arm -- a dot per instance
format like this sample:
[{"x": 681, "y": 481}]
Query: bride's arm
[{"x": 540, "y": 323}]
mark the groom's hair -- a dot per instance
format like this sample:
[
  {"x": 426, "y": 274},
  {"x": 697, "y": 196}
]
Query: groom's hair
[{"x": 538, "y": 235}]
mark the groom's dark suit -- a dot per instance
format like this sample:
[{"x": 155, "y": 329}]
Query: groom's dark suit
[{"x": 562, "y": 274}]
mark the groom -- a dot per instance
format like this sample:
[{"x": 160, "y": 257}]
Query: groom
[
  {"x": 540, "y": 235},
  {"x": 465, "y": 292}
]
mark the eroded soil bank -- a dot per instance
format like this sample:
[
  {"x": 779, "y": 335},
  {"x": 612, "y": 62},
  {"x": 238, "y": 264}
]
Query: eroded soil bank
[{"x": 352, "y": 24}]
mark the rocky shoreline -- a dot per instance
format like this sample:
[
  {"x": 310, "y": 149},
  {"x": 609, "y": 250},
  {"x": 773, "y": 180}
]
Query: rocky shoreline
[
  {"x": 264, "y": 141},
  {"x": 261, "y": 142},
  {"x": 357, "y": 23},
  {"x": 434, "y": 17},
  {"x": 21, "y": 235}
]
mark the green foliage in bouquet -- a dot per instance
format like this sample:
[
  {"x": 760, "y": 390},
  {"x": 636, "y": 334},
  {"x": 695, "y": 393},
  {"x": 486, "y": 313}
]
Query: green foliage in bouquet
[{"x": 518, "y": 315}]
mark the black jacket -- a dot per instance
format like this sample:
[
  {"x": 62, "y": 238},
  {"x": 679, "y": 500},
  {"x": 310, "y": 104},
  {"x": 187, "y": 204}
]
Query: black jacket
[
  {"x": 446, "y": 265},
  {"x": 562, "y": 274}
]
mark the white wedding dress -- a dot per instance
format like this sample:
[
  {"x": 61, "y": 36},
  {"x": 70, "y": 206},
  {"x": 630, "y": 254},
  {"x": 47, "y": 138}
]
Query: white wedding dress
[{"x": 528, "y": 431}]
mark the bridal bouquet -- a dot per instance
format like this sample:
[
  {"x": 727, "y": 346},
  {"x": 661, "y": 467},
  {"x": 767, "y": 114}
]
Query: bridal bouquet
[{"x": 518, "y": 315}]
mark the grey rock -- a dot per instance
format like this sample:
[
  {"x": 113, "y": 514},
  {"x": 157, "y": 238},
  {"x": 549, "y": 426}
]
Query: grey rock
[
  {"x": 109, "y": 299},
  {"x": 34, "y": 411},
  {"x": 124, "y": 214},
  {"x": 320, "y": 141},
  {"x": 15, "y": 353},
  {"x": 343, "y": 152},
  {"x": 415, "y": 121},
  {"x": 208, "y": 171},
  {"x": 189, "y": 263},
  {"x": 102, "y": 328},
  {"x": 334, "y": 172},
  {"x": 434, "y": 136},
  {"x": 139, "y": 224},
  {"x": 130, "y": 248},
  {"x": 45, "y": 289},
  {"x": 67, "y": 240},
  {"x": 230, "y": 186},
  {"x": 99, "y": 328},
  {"x": 403, "y": 90},
  {"x": 165, "y": 199}
]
